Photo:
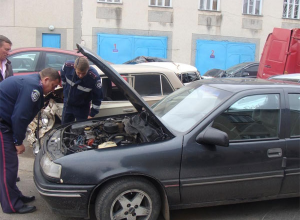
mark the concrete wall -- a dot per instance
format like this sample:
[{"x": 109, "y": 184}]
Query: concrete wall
[
  {"x": 24, "y": 21},
  {"x": 79, "y": 21}
]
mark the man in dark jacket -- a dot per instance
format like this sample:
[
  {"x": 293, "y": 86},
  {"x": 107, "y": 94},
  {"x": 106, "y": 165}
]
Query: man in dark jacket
[
  {"x": 21, "y": 98},
  {"x": 5, "y": 65},
  {"x": 81, "y": 85}
]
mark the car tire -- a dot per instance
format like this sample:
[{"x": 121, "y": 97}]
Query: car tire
[{"x": 128, "y": 198}]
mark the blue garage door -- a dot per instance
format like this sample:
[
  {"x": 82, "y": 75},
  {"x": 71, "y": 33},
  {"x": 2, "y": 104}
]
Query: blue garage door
[
  {"x": 51, "y": 40},
  {"x": 121, "y": 48},
  {"x": 222, "y": 54}
]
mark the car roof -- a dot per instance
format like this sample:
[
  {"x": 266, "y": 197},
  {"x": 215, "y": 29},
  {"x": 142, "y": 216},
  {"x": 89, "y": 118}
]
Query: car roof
[
  {"x": 144, "y": 69},
  {"x": 244, "y": 64},
  {"x": 287, "y": 76},
  {"x": 236, "y": 84},
  {"x": 176, "y": 67},
  {"x": 48, "y": 49}
]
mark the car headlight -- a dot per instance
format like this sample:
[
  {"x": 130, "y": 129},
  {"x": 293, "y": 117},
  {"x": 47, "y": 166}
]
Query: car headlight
[{"x": 50, "y": 168}]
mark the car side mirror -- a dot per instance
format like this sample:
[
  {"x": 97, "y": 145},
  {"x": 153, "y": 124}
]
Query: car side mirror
[{"x": 213, "y": 136}]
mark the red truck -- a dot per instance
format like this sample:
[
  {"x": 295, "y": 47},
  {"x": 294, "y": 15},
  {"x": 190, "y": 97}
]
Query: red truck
[{"x": 281, "y": 53}]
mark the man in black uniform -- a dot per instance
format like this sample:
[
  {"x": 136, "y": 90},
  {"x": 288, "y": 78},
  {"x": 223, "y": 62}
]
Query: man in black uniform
[
  {"x": 5, "y": 65},
  {"x": 82, "y": 84},
  {"x": 21, "y": 98}
]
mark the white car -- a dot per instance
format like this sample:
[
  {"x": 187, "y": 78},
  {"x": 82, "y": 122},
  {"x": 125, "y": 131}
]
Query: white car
[{"x": 185, "y": 72}]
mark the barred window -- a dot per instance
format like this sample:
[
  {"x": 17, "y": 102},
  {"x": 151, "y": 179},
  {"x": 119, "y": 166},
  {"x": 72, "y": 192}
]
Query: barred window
[
  {"x": 252, "y": 7},
  {"x": 291, "y": 9},
  {"x": 160, "y": 3},
  {"x": 110, "y": 1},
  {"x": 211, "y": 5}
]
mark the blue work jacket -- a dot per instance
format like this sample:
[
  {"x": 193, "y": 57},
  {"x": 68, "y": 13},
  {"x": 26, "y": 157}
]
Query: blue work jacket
[
  {"x": 21, "y": 98},
  {"x": 80, "y": 92}
]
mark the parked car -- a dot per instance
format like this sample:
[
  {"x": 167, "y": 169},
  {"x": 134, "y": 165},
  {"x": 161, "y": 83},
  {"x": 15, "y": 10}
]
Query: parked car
[
  {"x": 295, "y": 77},
  {"x": 201, "y": 145},
  {"x": 34, "y": 59},
  {"x": 246, "y": 69},
  {"x": 185, "y": 72},
  {"x": 152, "y": 83},
  {"x": 146, "y": 59}
]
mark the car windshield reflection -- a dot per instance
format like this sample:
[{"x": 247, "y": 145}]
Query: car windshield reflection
[{"x": 184, "y": 108}]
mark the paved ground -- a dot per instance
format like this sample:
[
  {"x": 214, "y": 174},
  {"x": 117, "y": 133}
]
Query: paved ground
[{"x": 284, "y": 209}]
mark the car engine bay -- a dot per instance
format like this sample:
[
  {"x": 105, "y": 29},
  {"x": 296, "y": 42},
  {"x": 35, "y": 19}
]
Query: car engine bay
[{"x": 99, "y": 134}]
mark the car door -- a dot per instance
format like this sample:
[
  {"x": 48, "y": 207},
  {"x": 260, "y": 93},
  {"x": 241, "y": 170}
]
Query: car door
[
  {"x": 25, "y": 62},
  {"x": 251, "y": 167},
  {"x": 291, "y": 182},
  {"x": 250, "y": 71}
]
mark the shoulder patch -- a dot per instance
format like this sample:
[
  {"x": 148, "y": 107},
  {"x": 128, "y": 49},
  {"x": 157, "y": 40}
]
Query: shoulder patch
[
  {"x": 98, "y": 84},
  {"x": 35, "y": 95}
]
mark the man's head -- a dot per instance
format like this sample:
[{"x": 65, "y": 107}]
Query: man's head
[
  {"x": 50, "y": 79},
  {"x": 5, "y": 47},
  {"x": 81, "y": 66}
]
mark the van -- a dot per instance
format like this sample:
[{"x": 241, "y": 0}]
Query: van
[{"x": 281, "y": 53}]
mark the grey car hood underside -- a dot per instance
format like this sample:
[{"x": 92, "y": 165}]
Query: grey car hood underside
[{"x": 118, "y": 80}]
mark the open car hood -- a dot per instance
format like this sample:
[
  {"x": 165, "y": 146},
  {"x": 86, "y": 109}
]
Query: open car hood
[{"x": 118, "y": 80}]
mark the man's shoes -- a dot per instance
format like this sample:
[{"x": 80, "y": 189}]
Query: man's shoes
[
  {"x": 26, "y": 199},
  {"x": 18, "y": 179},
  {"x": 26, "y": 209}
]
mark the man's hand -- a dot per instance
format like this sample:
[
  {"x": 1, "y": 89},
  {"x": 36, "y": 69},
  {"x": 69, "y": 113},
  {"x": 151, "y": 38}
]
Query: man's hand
[
  {"x": 20, "y": 149},
  {"x": 89, "y": 117}
]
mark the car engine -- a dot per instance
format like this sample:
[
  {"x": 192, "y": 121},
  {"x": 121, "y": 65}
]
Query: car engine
[{"x": 111, "y": 132}]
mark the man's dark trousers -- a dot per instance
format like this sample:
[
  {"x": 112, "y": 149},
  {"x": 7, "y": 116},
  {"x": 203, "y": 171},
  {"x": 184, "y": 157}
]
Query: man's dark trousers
[
  {"x": 9, "y": 163},
  {"x": 70, "y": 113}
]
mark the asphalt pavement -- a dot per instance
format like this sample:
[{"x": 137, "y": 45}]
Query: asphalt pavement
[{"x": 282, "y": 209}]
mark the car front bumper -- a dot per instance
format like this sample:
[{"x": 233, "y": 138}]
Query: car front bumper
[{"x": 66, "y": 200}]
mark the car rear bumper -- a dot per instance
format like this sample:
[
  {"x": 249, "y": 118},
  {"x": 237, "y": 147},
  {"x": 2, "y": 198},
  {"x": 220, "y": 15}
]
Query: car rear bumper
[{"x": 66, "y": 200}]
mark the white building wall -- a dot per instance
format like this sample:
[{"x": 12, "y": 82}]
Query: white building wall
[
  {"x": 79, "y": 21},
  {"x": 22, "y": 21}
]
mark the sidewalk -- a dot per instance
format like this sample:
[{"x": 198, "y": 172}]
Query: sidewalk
[{"x": 27, "y": 187}]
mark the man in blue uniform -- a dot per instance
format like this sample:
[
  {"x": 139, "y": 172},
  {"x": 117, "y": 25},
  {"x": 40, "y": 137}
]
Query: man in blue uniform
[
  {"x": 21, "y": 98},
  {"x": 82, "y": 85}
]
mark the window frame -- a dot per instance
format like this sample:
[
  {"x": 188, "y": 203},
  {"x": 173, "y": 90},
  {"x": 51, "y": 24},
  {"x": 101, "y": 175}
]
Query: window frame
[
  {"x": 210, "y": 6},
  {"x": 134, "y": 86},
  {"x": 113, "y": 1},
  {"x": 163, "y": 5},
  {"x": 228, "y": 110},
  {"x": 253, "y": 7},
  {"x": 36, "y": 63},
  {"x": 287, "y": 4},
  {"x": 289, "y": 96}
]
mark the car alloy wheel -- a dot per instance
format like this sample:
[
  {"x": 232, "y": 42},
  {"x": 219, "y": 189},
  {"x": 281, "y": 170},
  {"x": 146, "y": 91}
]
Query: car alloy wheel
[{"x": 131, "y": 198}]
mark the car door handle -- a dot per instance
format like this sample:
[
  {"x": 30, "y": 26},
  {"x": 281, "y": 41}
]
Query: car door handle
[
  {"x": 128, "y": 110},
  {"x": 274, "y": 152}
]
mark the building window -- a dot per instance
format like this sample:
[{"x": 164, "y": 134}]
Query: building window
[
  {"x": 210, "y": 5},
  {"x": 110, "y": 1},
  {"x": 252, "y": 7},
  {"x": 160, "y": 3},
  {"x": 291, "y": 9}
]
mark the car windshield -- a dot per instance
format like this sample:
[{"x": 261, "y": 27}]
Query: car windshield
[
  {"x": 214, "y": 72},
  {"x": 185, "y": 107}
]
